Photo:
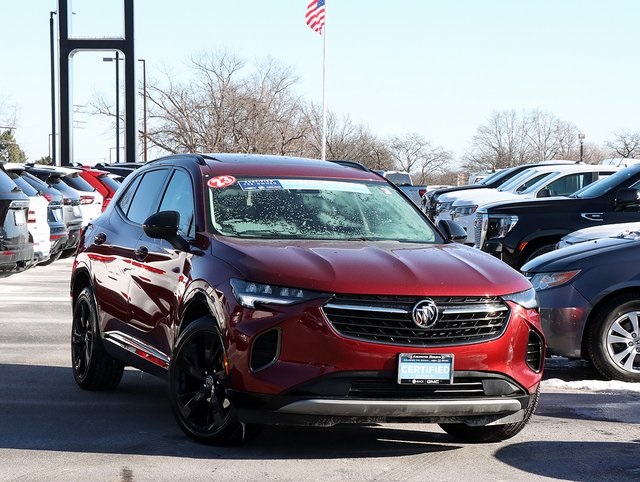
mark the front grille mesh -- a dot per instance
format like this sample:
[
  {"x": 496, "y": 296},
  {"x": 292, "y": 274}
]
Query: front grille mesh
[{"x": 387, "y": 319}]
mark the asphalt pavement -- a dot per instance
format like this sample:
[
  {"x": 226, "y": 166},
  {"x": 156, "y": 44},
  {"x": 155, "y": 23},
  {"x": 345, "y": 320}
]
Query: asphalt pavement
[{"x": 52, "y": 430}]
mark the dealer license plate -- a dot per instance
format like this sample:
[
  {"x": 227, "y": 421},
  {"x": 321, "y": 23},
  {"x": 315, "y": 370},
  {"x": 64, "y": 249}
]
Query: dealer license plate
[{"x": 425, "y": 369}]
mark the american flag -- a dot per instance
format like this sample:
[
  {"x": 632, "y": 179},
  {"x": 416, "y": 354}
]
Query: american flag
[{"x": 315, "y": 15}]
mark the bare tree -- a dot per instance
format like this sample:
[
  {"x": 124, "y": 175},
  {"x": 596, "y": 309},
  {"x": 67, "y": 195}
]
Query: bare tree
[
  {"x": 414, "y": 154},
  {"x": 509, "y": 139},
  {"x": 625, "y": 144},
  {"x": 500, "y": 143}
]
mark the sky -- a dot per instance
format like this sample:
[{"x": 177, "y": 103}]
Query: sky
[{"x": 438, "y": 68}]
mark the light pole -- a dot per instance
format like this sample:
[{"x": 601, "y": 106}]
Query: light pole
[
  {"x": 144, "y": 108},
  {"x": 116, "y": 59},
  {"x": 581, "y": 136},
  {"x": 53, "y": 90}
]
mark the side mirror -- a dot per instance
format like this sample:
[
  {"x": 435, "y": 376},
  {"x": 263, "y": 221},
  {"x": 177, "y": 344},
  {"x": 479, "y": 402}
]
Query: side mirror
[
  {"x": 544, "y": 192},
  {"x": 164, "y": 225},
  {"x": 452, "y": 231},
  {"x": 627, "y": 197}
]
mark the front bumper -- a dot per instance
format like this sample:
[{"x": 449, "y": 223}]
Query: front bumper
[
  {"x": 368, "y": 397},
  {"x": 563, "y": 314},
  {"x": 290, "y": 366}
]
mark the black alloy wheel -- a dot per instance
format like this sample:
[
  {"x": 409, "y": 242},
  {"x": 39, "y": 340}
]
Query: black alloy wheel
[
  {"x": 198, "y": 383},
  {"x": 93, "y": 368}
]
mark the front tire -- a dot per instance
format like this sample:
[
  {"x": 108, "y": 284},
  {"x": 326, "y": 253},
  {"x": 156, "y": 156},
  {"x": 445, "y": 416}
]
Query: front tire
[
  {"x": 613, "y": 339},
  {"x": 491, "y": 433},
  {"x": 198, "y": 385},
  {"x": 93, "y": 368}
]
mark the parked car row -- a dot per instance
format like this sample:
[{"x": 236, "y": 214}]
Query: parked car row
[
  {"x": 43, "y": 209},
  {"x": 582, "y": 254}
]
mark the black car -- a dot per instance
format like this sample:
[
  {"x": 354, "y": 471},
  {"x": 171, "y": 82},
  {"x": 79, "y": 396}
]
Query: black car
[
  {"x": 517, "y": 231},
  {"x": 590, "y": 303},
  {"x": 16, "y": 248}
]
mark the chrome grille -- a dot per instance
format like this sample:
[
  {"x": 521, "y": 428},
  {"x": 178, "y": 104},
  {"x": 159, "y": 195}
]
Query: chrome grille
[
  {"x": 477, "y": 231},
  {"x": 388, "y": 320}
]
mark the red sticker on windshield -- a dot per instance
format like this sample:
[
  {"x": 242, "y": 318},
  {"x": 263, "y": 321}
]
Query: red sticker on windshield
[{"x": 221, "y": 181}]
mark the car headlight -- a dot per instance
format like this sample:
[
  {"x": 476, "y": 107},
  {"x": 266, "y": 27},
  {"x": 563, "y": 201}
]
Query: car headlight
[
  {"x": 248, "y": 294},
  {"x": 527, "y": 299},
  {"x": 466, "y": 210},
  {"x": 443, "y": 206},
  {"x": 500, "y": 225},
  {"x": 543, "y": 281}
]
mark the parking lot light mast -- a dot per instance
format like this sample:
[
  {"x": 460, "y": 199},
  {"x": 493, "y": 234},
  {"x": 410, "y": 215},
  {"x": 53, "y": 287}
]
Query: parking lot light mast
[
  {"x": 581, "y": 136},
  {"x": 116, "y": 59},
  {"x": 144, "y": 108}
]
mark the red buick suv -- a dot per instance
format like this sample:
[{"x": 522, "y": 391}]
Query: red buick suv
[{"x": 274, "y": 290}]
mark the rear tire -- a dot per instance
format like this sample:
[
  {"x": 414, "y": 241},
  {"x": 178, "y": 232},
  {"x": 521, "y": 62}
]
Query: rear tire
[
  {"x": 198, "y": 387},
  {"x": 93, "y": 368},
  {"x": 491, "y": 433},
  {"x": 613, "y": 339}
]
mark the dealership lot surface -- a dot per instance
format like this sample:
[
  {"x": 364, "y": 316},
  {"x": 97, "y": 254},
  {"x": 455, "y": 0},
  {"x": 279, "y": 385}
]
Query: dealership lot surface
[{"x": 52, "y": 430}]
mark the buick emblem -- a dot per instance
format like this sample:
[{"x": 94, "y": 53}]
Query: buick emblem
[{"x": 425, "y": 313}]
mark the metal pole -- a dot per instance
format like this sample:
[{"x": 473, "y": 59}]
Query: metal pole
[
  {"x": 144, "y": 108},
  {"x": 53, "y": 90},
  {"x": 117, "y": 106},
  {"x": 323, "y": 149}
]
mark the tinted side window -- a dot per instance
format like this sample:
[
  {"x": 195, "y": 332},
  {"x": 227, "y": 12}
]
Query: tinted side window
[
  {"x": 125, "y": 200},
  {"x": 146, "y": 195},
  {"x": 179, "y": 197}
]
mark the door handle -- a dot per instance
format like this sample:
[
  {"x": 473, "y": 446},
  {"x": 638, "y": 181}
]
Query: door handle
[
  {"x": 99, "y": 238},
  {"x": 141, "y": 253},
  {"x": 593, "y": 216}
]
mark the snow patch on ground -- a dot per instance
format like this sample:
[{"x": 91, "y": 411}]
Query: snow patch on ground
[{"x": 592, "y": 385}]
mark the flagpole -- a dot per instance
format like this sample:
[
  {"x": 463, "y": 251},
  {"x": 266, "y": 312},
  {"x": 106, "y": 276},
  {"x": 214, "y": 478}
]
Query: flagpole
[{"x": 324, "y": 85}]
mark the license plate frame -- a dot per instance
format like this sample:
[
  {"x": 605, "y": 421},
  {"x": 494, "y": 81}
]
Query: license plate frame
[{"x": 425, "y": 368}]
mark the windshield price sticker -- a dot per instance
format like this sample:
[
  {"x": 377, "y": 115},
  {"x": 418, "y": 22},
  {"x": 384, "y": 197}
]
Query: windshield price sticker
[
  {"x": 261, "y": 185},
  {"x": 221, "y": 182},
  {"x": 425, "y": 369}
]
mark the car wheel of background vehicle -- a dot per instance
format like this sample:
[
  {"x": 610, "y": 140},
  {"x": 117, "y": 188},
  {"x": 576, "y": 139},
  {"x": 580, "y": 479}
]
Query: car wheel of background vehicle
[
  {"x": 198, "y": 384},
  {"x": 491, "y": 433},
  {"x": 547, "y": 248},
  {"x": 68, "y": 253},
  {"x": 613, "y": 339},
  {"x": 93, "y": 368},
  {"x": 52, "y": 258}
]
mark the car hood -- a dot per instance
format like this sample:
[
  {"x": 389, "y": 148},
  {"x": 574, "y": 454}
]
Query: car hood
[
  {"x": 574, "y": 256},
  {"x": 603, "y": 231},
  {"x": 371, "y": 267}
]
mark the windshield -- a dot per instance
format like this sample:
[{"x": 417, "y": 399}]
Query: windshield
[
  {"x": 516, "y": 180},
  {"x": 496, "y": 176},
  {"x": 315, "y": 209},
  {"x": 604, "y": 185},
  {"x": 534, "y": 183}
]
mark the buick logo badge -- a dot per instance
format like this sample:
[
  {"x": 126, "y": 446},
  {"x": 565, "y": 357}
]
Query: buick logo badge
[{"x": 425, "y": 313}]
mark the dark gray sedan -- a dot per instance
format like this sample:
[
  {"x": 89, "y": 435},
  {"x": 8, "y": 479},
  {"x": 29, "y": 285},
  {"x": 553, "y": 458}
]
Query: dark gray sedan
[{"x": 590, "y": 303}]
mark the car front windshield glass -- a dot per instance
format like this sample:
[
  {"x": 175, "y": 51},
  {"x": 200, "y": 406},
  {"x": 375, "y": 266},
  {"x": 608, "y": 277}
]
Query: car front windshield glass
[{"x": 285, "y": 208}]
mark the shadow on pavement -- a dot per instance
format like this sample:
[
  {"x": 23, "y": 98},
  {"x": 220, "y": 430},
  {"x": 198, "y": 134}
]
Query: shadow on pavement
[
  {"x": 577, "y": 461},
  {"x": 42, "y": 408}
]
